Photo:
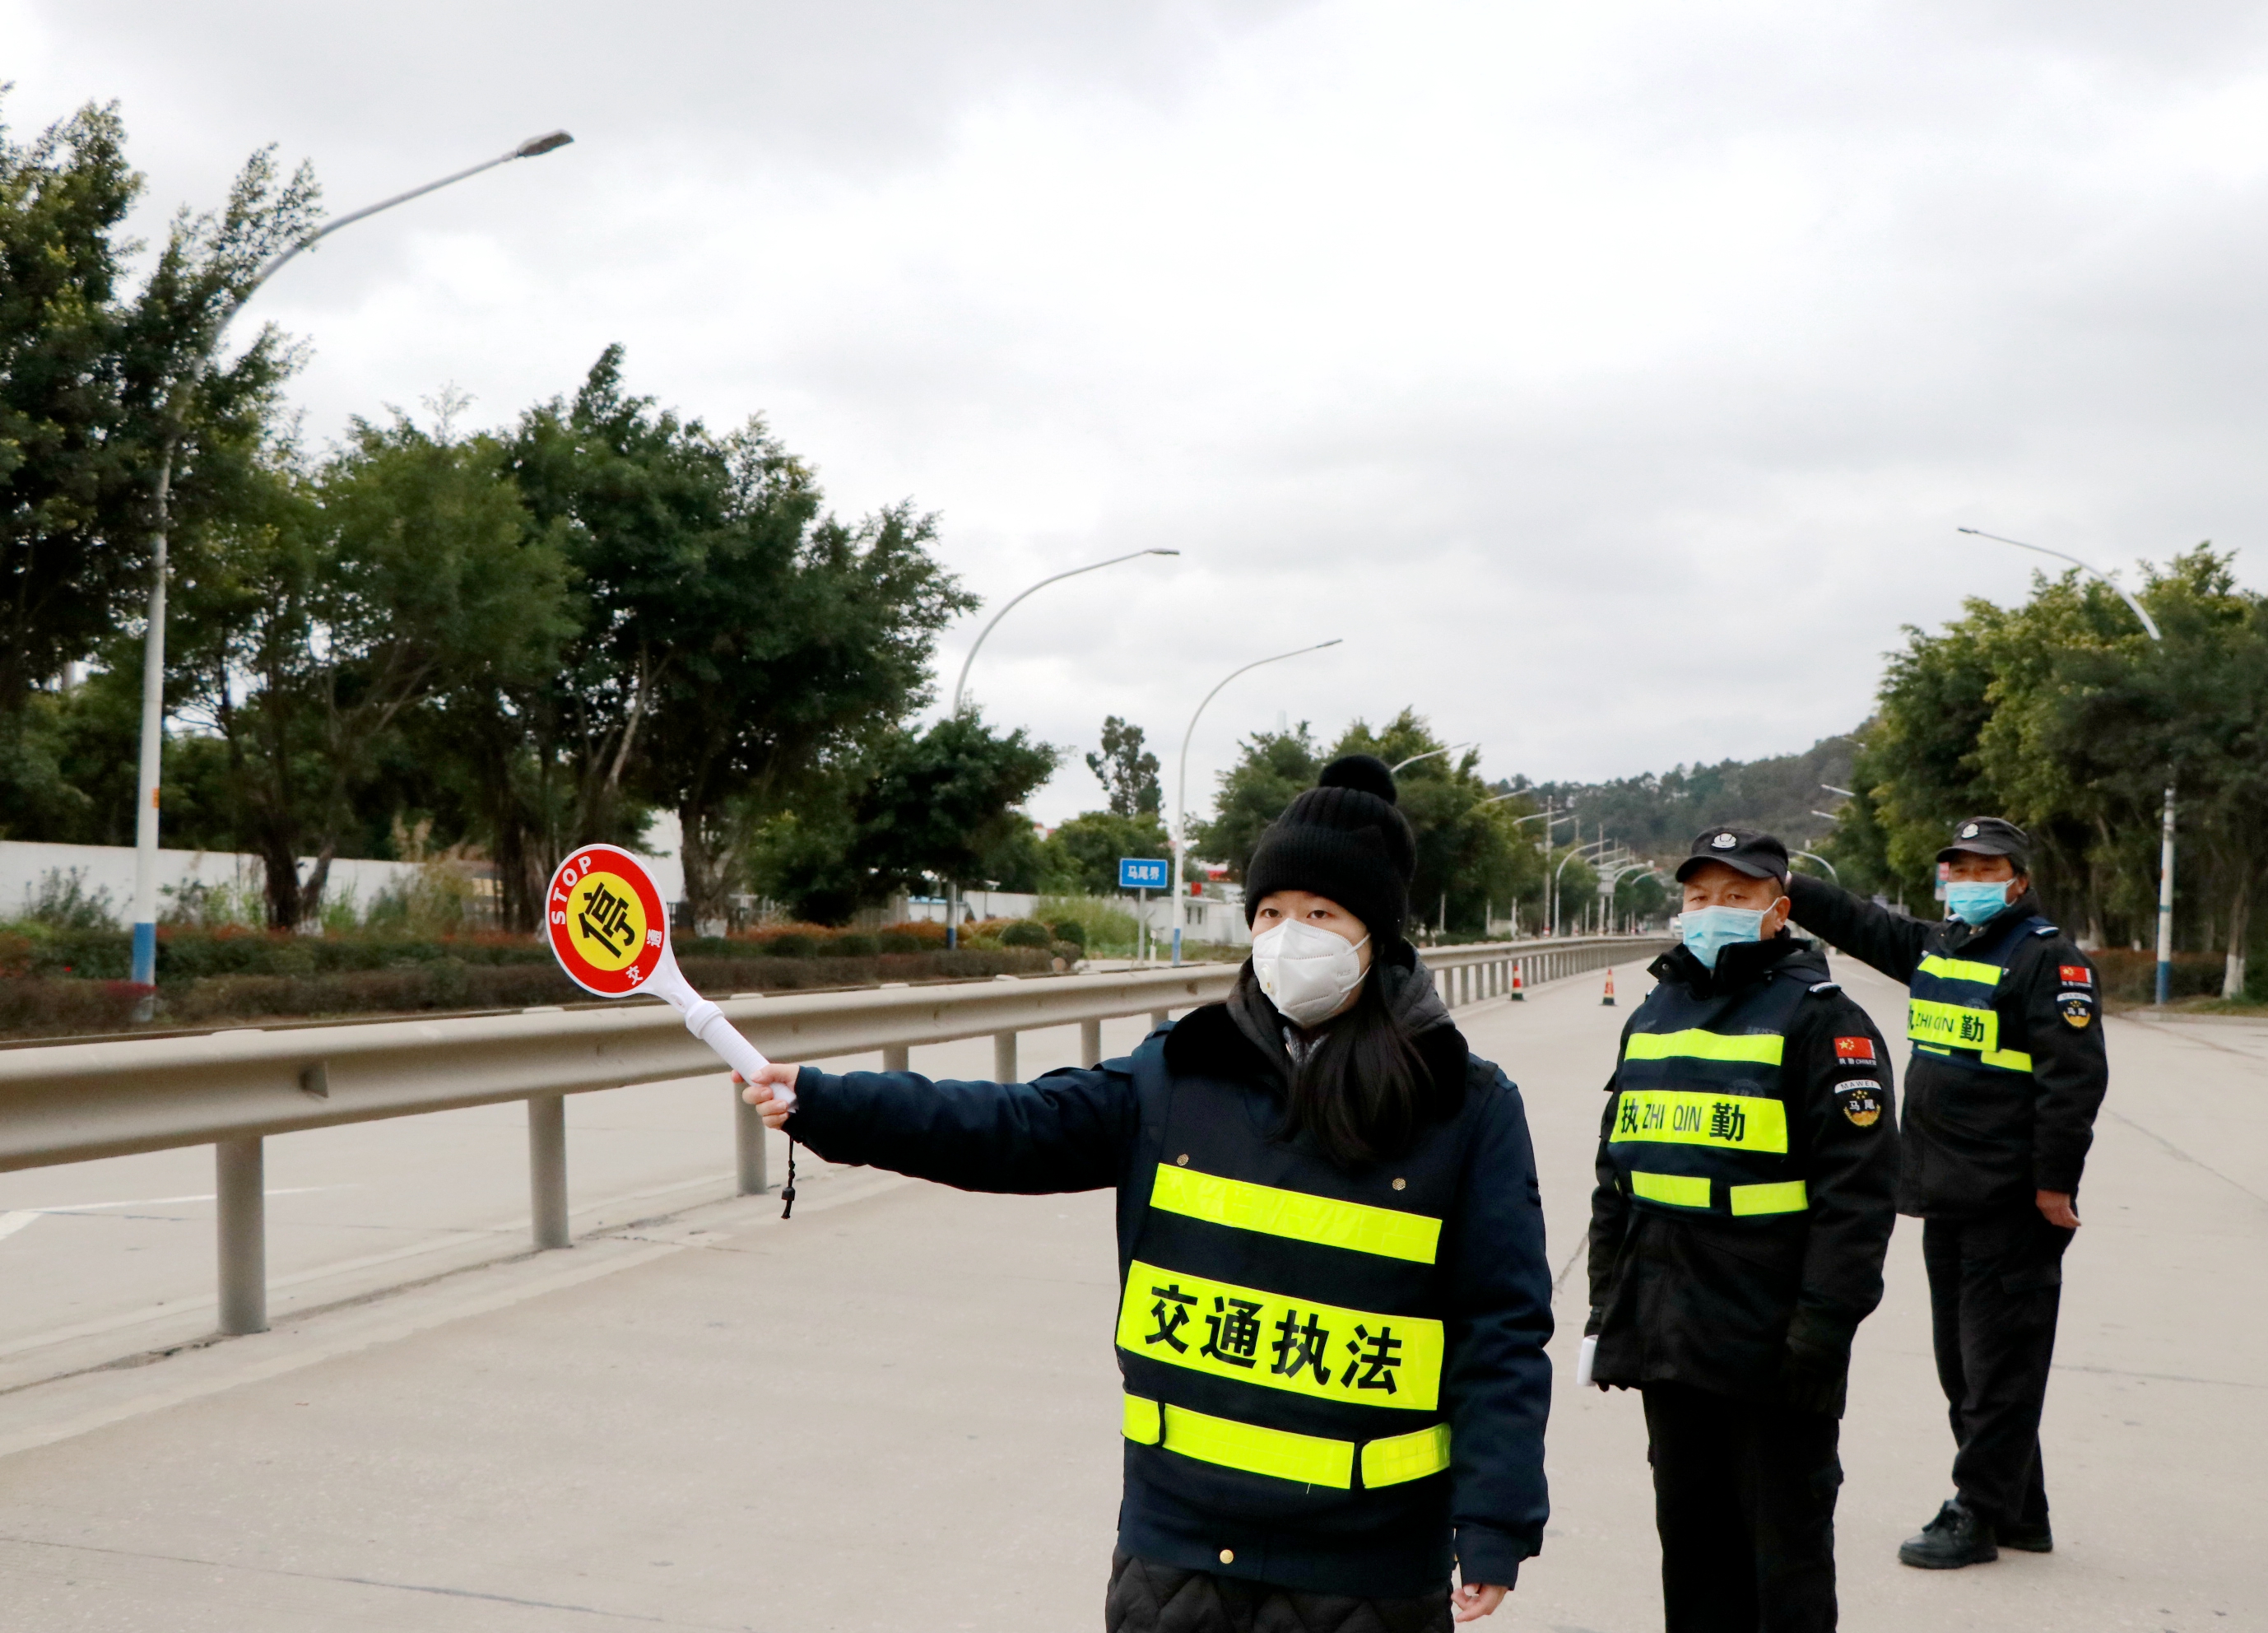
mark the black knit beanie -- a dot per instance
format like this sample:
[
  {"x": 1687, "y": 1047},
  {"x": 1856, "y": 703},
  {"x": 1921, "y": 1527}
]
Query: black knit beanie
[{"x": 1344, "y": 838}]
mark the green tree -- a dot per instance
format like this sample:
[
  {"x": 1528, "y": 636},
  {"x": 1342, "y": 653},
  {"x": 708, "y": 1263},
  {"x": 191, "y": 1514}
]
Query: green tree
[
  {"x": 735, "y": 640},
  {"x": 1271, "y": 768},
  {"x": 1471, "y": 857},
  {"x": 1127, "y": 770},
  {"x": 921, "y": 806},
  {"x": 1083, "y": 854},
  {"x": 400, "y": 572},
  {"x": 94, "y": 382}
]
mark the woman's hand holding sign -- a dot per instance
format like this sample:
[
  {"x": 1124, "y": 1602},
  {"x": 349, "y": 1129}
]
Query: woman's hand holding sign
[{"x": 763, "y": 1092}]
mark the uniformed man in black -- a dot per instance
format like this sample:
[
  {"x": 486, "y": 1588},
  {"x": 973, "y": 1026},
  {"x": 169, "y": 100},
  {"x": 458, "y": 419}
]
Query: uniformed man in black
[
  {"x": 1747, "y": 1168},
  {"x": 2006, "y": 1074}
]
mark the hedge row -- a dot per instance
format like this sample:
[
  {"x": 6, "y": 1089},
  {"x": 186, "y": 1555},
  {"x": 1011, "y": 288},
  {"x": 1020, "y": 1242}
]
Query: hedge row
[
  {"x": 2130, "y": 976},
  {"x": 198, "y": 955},
  {"x": 40, "y": 1007}
]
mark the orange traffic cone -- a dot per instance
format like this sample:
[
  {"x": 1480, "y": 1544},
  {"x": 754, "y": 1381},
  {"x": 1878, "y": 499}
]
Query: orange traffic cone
[
  {"x": 1609, "y": 1000},
  {"x": 1517, "y": 995}
]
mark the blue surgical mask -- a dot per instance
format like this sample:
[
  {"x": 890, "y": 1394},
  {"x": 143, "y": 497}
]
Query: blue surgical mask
[
  {"x": 1708, "y": 931},
  {"x": 1975, "y": 901}
]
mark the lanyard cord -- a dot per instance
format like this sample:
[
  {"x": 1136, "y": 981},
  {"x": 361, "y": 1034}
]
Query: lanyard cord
[{"x": 787, "y": 1196}]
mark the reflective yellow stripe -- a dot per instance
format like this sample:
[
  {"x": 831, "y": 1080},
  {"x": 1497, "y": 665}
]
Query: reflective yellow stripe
[
  {"x": 1952, "y": 1025},
  {"x": 1677, "y": 1190},
  {"x": 1142, "y": 1425},
  {"x": 1762, "y": 1049},
  {"x": 2007, "y": 1060},
  {"x": 1321, "y": 1351},
  {"x": 1735, "y": 1122},
  {"x": 1355, "y": 1226},
  {"x": 1960, "y": 970},
  {"x": 1308, "y": 1459},
  {"x": 1788, "y": 1197},
  {"x": 1405, "y": 1457}
]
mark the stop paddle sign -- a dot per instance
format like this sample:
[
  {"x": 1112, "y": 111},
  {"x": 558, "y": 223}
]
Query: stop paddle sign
[{"x": 610, "y": 932}]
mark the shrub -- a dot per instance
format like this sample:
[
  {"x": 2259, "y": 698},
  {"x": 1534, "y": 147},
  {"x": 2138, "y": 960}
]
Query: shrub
[
  {"x": 1070, "y": 930},
  {"x": 1025, "y": 933},
  {"x": 1105, "y": 928}
]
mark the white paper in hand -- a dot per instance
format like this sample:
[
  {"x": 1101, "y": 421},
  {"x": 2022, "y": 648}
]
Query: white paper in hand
[
  {"x": 1585, "y": 1358},
  {"x": 610, "y": 933}
]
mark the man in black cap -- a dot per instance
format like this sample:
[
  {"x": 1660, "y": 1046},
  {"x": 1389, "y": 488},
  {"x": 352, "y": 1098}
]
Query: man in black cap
[
  {"x": 1746, "y": 1169},
  {"x": 2006, "y": 1075}
]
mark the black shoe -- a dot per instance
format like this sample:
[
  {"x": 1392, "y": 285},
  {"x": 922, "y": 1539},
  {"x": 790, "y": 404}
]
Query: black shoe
[
  {"x": 1953, "y": 1539},
  {"x": 2026, "y": 1538}
]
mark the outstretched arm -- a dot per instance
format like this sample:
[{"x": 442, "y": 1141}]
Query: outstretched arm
[
  {"x": 1064, "y": 1132},
  {"x": 1868, "y": 932}
]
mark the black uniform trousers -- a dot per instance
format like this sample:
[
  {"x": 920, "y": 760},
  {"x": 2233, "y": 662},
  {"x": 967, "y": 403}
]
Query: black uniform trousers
[
  {"x": 1995, "y": 1284},
  {"x": 1744, "y": 1499}
]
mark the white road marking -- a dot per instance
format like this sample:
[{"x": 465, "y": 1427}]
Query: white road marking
[{"x": 16, "y": 1218}]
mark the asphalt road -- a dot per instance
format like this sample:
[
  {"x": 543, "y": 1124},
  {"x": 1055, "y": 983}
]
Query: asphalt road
[{"x": 898, "y": 1411}]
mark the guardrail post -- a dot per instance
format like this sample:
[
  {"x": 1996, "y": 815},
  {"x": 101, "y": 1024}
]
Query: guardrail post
[
  {"x": 897, "y": 1058},
  {"x": 748, "y": 1154},
  {"x": 240, "y": 1190},
  {"x": 1159, "y": 1018},
  {"x": 1004, "y": 1057},
  {"x": 547, "y": 1168},
  {"x": 1090, "y": 1043}
]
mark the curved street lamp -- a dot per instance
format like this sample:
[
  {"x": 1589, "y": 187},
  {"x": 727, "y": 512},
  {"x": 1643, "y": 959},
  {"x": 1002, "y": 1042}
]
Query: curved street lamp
[
  {"x": 961, "y": 686},
  {"x": 962, "y": 683},
  {"x": 1446, "y": 748},
  {"x": 153, "y": 645},
  {"x": 2166, "y": 831},
  {"x": 1181, "y": 776}
]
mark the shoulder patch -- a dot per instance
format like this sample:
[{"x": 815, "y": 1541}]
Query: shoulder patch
[
  {"x": 1817, "y": 988},
  {"x": 1860, "y": 1100},
  {"x": 1855, "y": 1051},
  {"x": 2049, "y": 929}
]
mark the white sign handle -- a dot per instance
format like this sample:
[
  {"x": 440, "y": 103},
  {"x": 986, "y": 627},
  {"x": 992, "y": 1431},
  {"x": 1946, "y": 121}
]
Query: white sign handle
[{"x": 705, "y": 1021}]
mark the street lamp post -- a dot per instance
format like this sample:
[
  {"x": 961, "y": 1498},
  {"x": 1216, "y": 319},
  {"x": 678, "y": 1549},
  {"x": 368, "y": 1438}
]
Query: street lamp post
[
  {"x": 2166, "y": 830},
  {"x": 961, "y": 687},
  {"x": 1181, "y": 776},
  {"x": 153, "y": 645},
  {"x": 1446, "y": 748}
]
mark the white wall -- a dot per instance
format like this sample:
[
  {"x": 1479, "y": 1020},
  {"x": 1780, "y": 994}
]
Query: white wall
[{"x": 26, "y": 865}]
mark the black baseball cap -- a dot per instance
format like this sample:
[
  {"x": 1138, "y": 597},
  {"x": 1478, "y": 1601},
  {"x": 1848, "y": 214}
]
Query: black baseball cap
[
  {"x": 1743, "y": 850},
  {"x": 1990, "y": 835}
]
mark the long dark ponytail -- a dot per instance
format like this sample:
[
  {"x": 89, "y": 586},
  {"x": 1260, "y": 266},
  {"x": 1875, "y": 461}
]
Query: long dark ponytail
[{"x": 1363, "y": 1089}]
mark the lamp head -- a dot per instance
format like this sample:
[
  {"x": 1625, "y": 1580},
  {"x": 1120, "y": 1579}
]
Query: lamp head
[{"x": 537, "y": 145}]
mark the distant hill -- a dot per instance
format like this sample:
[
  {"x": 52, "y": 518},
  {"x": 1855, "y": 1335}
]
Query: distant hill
[{"x": 1657, "y": 814}]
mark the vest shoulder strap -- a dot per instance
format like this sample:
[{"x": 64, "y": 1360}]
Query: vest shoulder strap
[
  {"x": 1820, "y": 989},
  {"x": 2044, "y": 929}
]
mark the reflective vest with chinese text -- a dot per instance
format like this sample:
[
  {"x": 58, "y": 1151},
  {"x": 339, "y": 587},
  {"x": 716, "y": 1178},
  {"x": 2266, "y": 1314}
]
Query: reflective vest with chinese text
[
  {"x": 1949, "y": 1004},
  {"x": 1700, "y": 1122},
  {"x": 1282, "y": 1319}
]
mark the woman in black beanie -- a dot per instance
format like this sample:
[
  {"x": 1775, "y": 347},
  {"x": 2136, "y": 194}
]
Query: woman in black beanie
[{"x": 1334, "y": 1297}]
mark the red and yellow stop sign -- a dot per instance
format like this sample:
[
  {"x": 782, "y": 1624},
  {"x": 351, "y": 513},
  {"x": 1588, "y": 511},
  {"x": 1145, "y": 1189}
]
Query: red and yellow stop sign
[{"x": 609, "y": 927}]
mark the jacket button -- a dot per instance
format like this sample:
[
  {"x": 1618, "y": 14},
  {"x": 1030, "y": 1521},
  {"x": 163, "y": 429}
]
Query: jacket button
[
  {"x": 1228, "y": 1556},
  {"x": 1401, "y": 1184},
  {"x": 1184, "y": 1159}
]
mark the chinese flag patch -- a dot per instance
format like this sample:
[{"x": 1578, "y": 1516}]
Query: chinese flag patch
[
  {"x": 1855, "y": 1049},
  {"x": 2076, "y": 974}
]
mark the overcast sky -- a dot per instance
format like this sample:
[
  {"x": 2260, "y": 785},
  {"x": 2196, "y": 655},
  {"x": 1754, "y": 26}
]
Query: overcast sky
[{"x": 1611, "y": 378}]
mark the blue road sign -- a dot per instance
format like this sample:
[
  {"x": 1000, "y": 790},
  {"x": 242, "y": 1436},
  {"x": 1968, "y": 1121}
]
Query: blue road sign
[{"x": 1135, "y": 873}]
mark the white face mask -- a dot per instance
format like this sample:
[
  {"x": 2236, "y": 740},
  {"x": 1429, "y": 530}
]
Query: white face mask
[{"x": 1306, "y": 970}]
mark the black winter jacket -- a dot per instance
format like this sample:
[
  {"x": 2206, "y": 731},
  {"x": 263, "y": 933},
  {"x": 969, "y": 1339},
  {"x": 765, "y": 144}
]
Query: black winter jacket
[
  {"x": 1080, "y": 1130},
  {"x": 1716, "y": 1303},
  {"x": 1978, "y": 1142}
]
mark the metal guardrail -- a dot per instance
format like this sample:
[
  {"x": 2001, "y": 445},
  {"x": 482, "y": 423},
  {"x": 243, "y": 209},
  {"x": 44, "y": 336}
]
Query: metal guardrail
[{"x": 75, "y": 1102}]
